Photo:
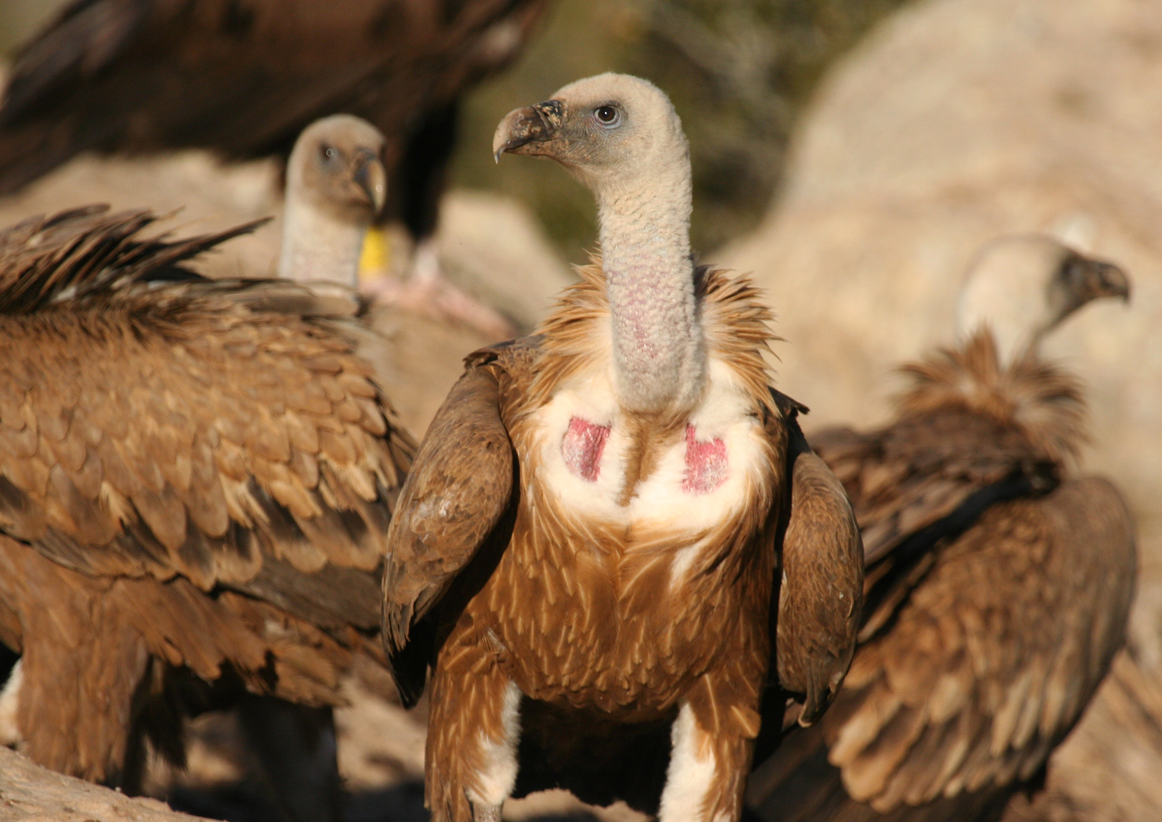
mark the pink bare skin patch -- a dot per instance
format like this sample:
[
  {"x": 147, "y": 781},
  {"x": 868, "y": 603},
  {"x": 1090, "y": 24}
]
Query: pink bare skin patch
[
  {"x": 706, "y": 466},
  {"x": 582, "y": 447}
]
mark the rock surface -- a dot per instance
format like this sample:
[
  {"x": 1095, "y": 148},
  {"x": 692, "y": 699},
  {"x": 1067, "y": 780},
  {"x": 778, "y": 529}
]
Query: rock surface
[{"x": 30, "y": 793}]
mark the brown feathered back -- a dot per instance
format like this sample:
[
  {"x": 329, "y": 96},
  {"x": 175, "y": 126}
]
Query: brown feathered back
[
  {"x": 1041, "y": 400},
  {"x": 201, "y": 471}
]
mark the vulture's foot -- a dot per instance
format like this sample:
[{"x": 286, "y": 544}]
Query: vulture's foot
[
  {"x": 485, "y": 813},
  {"x": 428, "y": 292}
]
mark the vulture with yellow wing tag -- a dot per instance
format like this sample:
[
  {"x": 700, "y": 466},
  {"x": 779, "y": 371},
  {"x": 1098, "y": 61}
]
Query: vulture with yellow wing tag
[
  {"x": 588, "y": 550},
  {"x": 196, "y": 477},
  {"x": 998, "y": 580}
]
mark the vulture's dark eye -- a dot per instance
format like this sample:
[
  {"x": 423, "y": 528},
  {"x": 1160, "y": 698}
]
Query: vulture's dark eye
[{"x": 607, "y": 116}]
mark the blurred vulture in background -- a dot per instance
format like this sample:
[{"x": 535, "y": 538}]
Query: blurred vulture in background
[
  {"x": 998, "y": 583},
  {"x": 196, "y": 480},
  {"x": 243, "y": 77}
]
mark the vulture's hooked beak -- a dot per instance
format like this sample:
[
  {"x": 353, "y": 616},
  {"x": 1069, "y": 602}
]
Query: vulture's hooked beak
[
  {"x": 1109, "y": 281},
  {"x": 371, "y": 177},
  {"x": 528, "y": 126}
]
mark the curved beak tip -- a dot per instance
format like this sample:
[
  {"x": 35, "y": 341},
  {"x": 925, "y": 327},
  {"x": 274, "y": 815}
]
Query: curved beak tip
[
  {"x": 371, "y": 177},
  {"x": 523, "y": 126},
  {"x": 504, "y": 139},
  {"x": 1116, "y": 281}
]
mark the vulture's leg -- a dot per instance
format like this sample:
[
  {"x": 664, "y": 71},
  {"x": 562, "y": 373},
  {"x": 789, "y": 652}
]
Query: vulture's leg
[
  {"x": 295, "y": 747},
  {"x": 485, "y": 813},
  {"x": 470, "y": 764},
  {"x": 422, "y": 172},
  {"x": 10, "y": 735},
  {"x": 713, "y": 739},
  {"x": 134, "y": 764}
]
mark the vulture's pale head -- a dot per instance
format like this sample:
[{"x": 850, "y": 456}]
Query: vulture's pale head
[
  {"x": 1024, "y": 286},
  {"x": 614, "y": 132},
  {"x": 622, "y": 138},
  {"x": 336, "y": 183},
  {"x": 337, "y": 168}
]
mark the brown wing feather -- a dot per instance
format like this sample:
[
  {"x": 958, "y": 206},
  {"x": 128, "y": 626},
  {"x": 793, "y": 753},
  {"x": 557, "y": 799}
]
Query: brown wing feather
[
  {"x": 822, "y": 561},
  {"x": 100, "y": 652},
  {"x": 195, "y": 483},
  {"x": 994, "y": 598},
  {"x": 1012, "y": 631},
  {"x": 913, "y": 474},
  {"x": 460, "y": 487},
  {"x": 987, "y": 666},
  {"x": 171, "y": 428}
]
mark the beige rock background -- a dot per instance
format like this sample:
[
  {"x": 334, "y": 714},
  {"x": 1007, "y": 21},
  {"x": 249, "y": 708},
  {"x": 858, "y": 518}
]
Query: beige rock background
[{"x": 29, "y": 793}]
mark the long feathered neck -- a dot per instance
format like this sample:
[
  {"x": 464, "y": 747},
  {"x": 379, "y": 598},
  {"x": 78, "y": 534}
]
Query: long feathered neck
[
  {"x": 318, "y": 245},
  {"x": 735, "y": 321},
  {"x": 1042, "y": 400},
  {"x": 658, "y": 349}
]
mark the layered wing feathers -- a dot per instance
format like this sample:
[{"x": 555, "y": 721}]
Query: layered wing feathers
[
  {"x": 821, "y": 594},
  {"x": 173, "y": 428},
  {"x": 996, "y": 595},
  {"x": 460, "y": 489},
  {"x": 989, "y": 663}
]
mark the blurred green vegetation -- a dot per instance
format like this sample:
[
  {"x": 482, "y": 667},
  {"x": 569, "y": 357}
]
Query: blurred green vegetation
[{"x": 739, "y": 72}]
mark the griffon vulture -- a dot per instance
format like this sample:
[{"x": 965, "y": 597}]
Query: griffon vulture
[
  {"x": 587, "y": 550},
  {"x": 244, "y": 77},
  {"x": 195, "y": 478},
  {"x": 998, "y": 581},
  {"x": 336, "y": 185}
]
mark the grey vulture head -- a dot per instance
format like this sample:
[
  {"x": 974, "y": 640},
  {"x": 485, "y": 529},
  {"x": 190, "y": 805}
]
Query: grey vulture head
[
  {"x": 336, "y": 185},
  {"x": 613, "y": 132},
  {"x": 620, "y": 136},
  {"x": 1023, "y": 286}
]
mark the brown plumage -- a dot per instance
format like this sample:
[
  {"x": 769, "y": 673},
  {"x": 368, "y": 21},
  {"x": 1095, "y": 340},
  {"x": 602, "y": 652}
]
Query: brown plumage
[
  {"x": 587, "y": 562},
  {"x": 997, "y": 590},
  {"x": 195, "y": 485},
  {"x": 621, "y": 645},
  {"x": 245, "y": 77}
]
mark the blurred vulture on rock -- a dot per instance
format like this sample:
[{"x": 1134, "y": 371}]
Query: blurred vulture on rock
[
  {"x": 196, "y": 480},
  {"x": 243, "y": 77},
  {"x": 998, "y": 581}
]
